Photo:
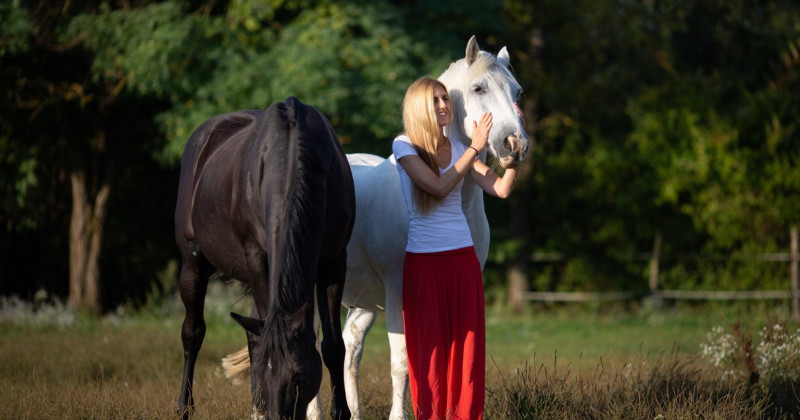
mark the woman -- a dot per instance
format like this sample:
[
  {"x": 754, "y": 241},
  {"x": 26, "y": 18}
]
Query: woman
[{"x": 443, "y": 307}]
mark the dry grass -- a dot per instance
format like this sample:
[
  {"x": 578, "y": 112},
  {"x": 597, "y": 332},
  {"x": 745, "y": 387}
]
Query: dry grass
[
  {"x": 673, "y": 388},
  {"x": 108, "y": 373},
  {"x": 130, "y": 369}
]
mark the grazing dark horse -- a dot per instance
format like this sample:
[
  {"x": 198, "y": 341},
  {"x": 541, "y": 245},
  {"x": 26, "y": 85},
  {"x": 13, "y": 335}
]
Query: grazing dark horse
[{"x": 267, "y": 198}]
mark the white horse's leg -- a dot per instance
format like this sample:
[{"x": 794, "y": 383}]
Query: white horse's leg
[
  {"x": 397, "y": 344},
  {"x": 356, "y": 326},
  {"x": 315, "y": 408}
]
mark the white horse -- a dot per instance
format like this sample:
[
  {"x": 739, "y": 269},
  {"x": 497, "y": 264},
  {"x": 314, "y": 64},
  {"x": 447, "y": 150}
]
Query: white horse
[{"x": 478, "y": 83}]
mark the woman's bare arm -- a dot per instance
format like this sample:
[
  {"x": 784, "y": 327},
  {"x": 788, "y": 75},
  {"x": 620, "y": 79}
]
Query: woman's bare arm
[
  {"x": 440, "y": 186},
  {"x": 492, "y": 183}
]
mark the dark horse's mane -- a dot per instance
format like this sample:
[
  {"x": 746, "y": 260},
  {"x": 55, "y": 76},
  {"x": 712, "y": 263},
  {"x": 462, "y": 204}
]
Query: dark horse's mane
[{"x": 289, "y": 288}]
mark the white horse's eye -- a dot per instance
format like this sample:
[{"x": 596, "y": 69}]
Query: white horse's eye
[{"x": 478, "y": 89}]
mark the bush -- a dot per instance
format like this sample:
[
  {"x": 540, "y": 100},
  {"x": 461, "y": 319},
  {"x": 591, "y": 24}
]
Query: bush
[
  {"x": 42, "y": 312},
  {"x": 771, "y": 368}
]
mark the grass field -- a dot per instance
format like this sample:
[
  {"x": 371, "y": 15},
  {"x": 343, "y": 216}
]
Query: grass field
[{"x": 552, "y": 362}]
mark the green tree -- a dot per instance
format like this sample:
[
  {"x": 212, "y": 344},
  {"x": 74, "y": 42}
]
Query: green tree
[
  {"x": 662, "y": 117},
  {"x": 91, "y": 82},
  {"x": 67, "y": 136},
  {"x": 649, "y": 117},
  {"x": 719, "y": 134}
]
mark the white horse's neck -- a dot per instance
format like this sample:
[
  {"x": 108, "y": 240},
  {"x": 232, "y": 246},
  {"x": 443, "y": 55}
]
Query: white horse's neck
[
  {"x": 471, "y": 199},
  {"x": 472, "y": 203},
  {"x": 471, "y": 193}
]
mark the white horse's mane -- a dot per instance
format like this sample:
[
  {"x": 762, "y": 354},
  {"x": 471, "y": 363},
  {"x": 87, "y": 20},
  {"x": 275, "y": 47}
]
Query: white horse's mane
[{"x": 459, "y": 70}]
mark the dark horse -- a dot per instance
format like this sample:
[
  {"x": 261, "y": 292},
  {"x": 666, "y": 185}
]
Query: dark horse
[{"x": 266, "y": 197}]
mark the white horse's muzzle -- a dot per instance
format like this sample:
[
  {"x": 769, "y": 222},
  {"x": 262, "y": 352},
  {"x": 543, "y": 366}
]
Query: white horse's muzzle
[{"x": 517, "y": 146}]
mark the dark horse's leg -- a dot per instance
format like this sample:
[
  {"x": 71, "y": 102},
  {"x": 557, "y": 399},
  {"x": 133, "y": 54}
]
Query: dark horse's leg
[
  {"x": 195, "y": 272},
  {"x": 330, "y": 286}
]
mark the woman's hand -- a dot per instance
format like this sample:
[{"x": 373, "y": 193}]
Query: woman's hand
[
  {"x": 480, "y": 131},
  {"x": 509, "y": 164}
]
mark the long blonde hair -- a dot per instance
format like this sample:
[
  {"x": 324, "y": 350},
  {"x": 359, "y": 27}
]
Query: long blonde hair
[{"x": 420, "y": 125}]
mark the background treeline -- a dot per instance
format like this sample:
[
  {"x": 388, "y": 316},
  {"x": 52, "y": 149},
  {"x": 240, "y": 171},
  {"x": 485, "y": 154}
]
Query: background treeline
[{"x": 676, "y": 118}]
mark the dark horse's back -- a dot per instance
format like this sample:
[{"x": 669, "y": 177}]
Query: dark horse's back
[
  {"x": 243, "y": 160},
  {"x": 266, "y": 197}
]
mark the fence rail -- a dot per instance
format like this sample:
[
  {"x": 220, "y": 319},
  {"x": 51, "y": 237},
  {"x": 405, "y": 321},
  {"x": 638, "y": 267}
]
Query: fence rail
[
  {"x": 721, "y": 295},
  {"x": 577, "y": 296},
  {"x": 655, "y": 257}
]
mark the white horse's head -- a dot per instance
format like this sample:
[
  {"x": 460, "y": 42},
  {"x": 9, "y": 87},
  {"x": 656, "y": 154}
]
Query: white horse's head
[{"x": 482, "y": 82}]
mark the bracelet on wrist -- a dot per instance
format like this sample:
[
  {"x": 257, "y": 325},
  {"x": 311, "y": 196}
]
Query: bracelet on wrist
[{"x": 477, "y": 153}]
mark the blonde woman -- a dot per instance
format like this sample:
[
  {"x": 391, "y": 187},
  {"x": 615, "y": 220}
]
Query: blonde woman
[{"x": 443, "y": 304}]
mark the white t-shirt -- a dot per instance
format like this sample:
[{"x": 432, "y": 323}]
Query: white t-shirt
[{"x": 445, "y": 226}]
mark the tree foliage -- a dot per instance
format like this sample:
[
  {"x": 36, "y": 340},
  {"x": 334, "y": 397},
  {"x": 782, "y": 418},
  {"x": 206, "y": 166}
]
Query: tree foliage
[
  {"x": 659, "y": 118},
  {"x": 651, "y": 117}
]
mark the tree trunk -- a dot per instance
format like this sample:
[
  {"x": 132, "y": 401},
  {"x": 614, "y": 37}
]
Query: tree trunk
[
  {"x": 520, "y": 218},
  {"x": 517, "y": 272},
  {"x": 85, "y": 241}
]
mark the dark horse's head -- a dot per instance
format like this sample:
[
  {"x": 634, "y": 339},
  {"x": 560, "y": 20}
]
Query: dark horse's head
[{"x": 285, "y": 367}]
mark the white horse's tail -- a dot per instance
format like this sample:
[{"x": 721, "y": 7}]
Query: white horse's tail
[{"x": 236, "y": 366}]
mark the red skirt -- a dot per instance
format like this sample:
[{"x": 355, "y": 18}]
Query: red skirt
[{"x": 445, "y": 330}]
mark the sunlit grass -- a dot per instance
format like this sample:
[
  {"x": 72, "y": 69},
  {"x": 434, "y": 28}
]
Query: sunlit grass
[{"x": 558, "y": 361}]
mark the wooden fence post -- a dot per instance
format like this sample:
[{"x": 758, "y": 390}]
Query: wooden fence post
[
  {"x": 795, "y": 292},
  {"x": 655, "y": 294},
  {"x": 517, "y": 287}
]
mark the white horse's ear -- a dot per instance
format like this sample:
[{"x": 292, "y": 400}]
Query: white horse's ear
[
  {"x": 503, "y": 57},
  {"x": 472, "y": 50}
]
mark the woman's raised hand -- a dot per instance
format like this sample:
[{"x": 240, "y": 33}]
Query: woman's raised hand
[{"x": 480, "y": 131}]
